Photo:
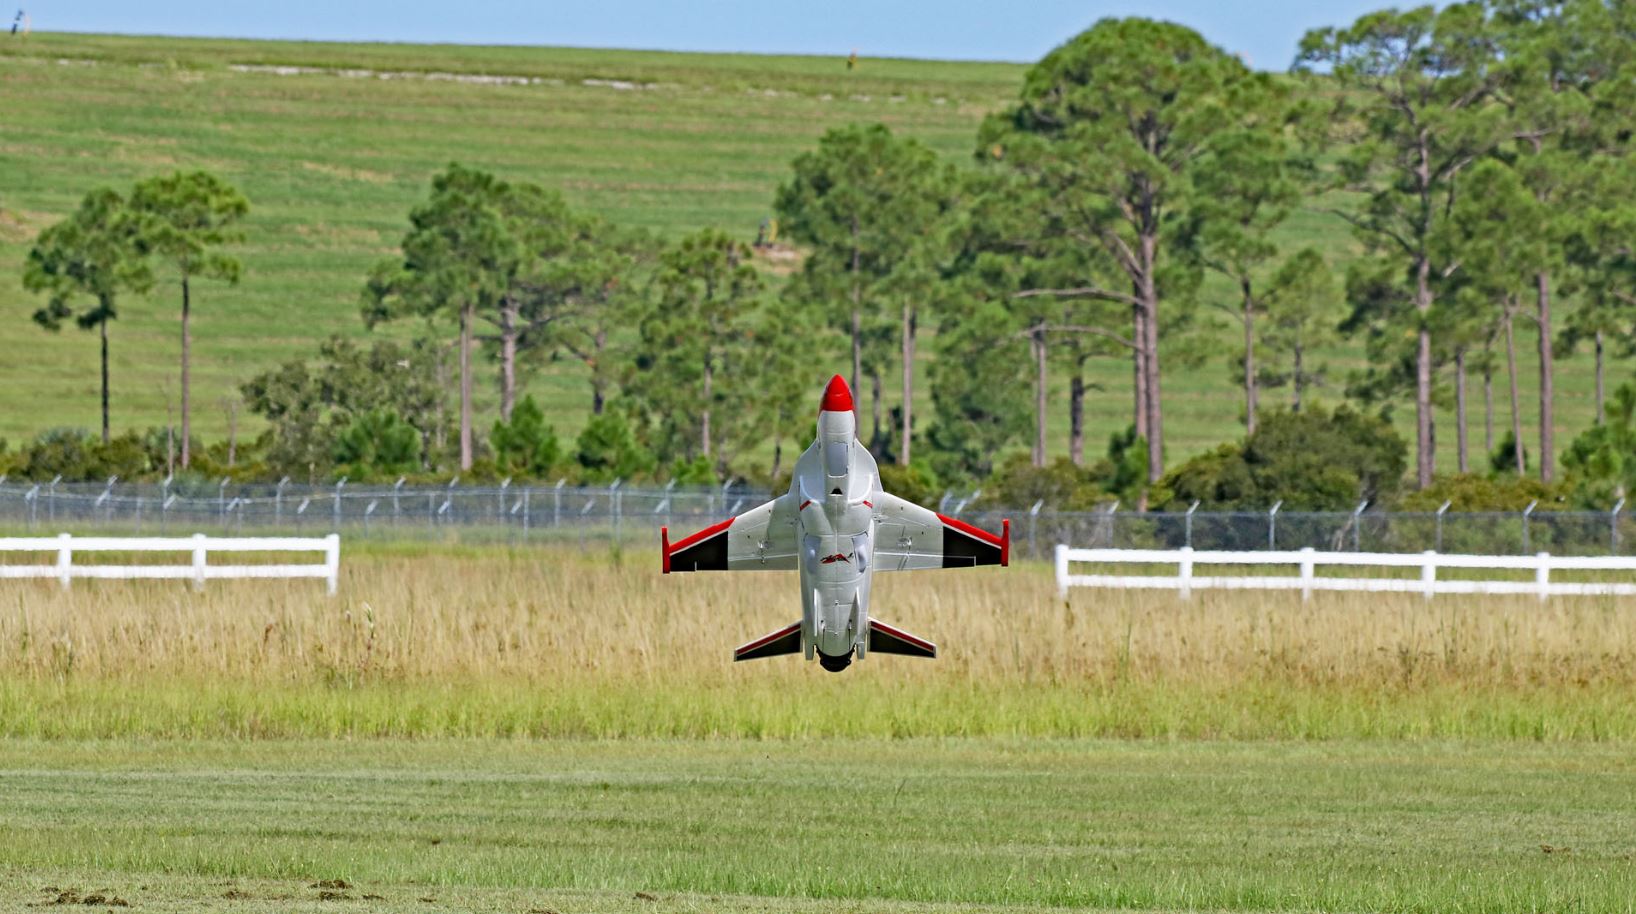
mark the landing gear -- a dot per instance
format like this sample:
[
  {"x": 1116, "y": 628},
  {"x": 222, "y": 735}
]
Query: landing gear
[{"x": 835, "y": 664}]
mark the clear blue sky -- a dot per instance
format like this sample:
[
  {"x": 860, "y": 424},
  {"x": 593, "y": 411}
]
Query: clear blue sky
[{"x": 1022, "y": 30}]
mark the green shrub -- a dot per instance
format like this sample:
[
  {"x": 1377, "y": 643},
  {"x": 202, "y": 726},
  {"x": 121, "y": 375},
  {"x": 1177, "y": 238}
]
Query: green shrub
[{"x": 525, "y": 446}]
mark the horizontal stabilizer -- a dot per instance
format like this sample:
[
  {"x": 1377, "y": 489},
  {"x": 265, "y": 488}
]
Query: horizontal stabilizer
[
  {"x": 786, "y": 640},
  {"x": 884, "y": 639}
]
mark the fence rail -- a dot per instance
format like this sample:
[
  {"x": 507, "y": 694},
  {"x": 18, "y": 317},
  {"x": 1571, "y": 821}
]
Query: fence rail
[
  {"x": 1309, "y": 560},
  {"x": 197, "y": 570}
]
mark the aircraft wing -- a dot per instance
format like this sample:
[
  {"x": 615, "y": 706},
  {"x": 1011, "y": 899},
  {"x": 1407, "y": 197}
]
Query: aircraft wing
[
  {"x": 761, "y": 539},
  {"x": 911, "y": 538}
]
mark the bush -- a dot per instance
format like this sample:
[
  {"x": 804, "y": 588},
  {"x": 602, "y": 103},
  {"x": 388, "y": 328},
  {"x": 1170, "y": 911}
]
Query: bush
[
  {"x": 1063, "y": 486},
  {"x": 377, "y": 443},
  {"x": 1311, "y": 461},
  {"x": 607, "y": 449},
  {"x": 78, "y": 456},
  {"x": 525, "y": 446},
  {"x": 915, "y": 482},
  {"x": 695, "y": 472},
  {"x": 1470, "y": 492}
]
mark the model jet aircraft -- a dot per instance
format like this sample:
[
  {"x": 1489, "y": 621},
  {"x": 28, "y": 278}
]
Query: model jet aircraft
[{"x": 837, "y": 527}]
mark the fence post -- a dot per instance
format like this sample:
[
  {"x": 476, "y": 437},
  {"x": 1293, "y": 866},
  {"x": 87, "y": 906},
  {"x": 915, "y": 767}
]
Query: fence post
[
  {"x": 556, "y": 504},
  {"x": 51, "y": 495},
  {"x": 617, "y": 505},
  {"x": 65, "y": 559},
  {"x": 339, "y": 483},
  {"x": 1187, "y": 524},
  {"x": 397, "y": 503},
  {"x": 526, "y": 492},
  {"x": 1307, "y": 569},
  {"x": 1613, "y": 527},
  {"x": 198, "y": 561},
  {"x": 1440, "y": 512},
  {"x": 1033, "y": 527},
  {"x": 1542, "y": 575},
  {"x": 1272, "y": 526},
  {"x": 1184, "y": 573},
  {"x": 1428, "y": 573},
  {"x": 500, "y": 500},
  {"x": 1357, "y": 526},
  {"x": 278, "y": 502},
  {"x": 332, "y": 562},
  {"x": 1062, "y": 571},
  {"x": 1526, "y": 512}
]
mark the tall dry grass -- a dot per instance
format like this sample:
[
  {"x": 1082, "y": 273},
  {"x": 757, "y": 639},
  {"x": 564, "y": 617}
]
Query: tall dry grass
[{"x": 556, "y": 641}]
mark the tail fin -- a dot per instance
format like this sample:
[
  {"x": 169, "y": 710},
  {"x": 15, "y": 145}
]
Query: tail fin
[
  {"x": 786, "y": 640},
  {"x": 884, "y": 639}
]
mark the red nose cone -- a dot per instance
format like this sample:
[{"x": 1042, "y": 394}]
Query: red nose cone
[{"x": 837, "y": 396}]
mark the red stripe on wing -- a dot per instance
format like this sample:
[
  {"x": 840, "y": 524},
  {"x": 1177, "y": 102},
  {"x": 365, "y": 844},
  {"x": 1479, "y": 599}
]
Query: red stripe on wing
[
  {"x": 971, "y": 531},
  {"x": 781, "y": 633},
  {"x": 902, "y": 635}
]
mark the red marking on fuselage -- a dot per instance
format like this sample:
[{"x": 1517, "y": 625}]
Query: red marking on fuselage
[
  {"x": 837, "y": 557},
  {"x": 804, "y": 505}
]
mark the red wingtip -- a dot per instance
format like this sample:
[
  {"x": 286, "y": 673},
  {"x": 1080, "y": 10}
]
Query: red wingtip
[
  {"x": 837, "y": 396},
  {"x": 664, "y": 547}
]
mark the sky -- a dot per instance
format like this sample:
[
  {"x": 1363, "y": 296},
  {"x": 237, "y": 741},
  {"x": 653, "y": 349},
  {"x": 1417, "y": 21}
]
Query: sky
[{"x": 1265, "y": 33}]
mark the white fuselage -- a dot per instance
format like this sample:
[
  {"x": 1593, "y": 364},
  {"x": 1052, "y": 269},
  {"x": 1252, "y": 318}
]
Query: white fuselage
[{"x": 836, "y": 481}]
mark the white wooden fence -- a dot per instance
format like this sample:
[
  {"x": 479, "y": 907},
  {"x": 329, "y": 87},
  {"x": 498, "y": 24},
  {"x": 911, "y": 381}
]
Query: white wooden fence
[
  {"x": 198, "y": 570},
  {"x": 1307, "y": 561}
]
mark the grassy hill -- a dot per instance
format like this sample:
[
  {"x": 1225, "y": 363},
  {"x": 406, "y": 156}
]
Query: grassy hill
[{"x": 333, "y": 143}]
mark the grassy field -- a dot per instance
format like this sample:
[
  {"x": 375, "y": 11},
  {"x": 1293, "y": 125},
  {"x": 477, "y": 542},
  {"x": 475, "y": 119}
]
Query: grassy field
[
  {"x": 334, "y": 143},
  {"x": 546, "y": 729},
  {"x": 641, "y": 825}
]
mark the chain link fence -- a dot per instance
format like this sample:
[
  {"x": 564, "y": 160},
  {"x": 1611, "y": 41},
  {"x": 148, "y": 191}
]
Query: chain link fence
[{"x": 619, "y": 514}]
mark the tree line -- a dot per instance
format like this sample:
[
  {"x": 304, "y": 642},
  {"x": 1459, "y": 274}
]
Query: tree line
[{"x": 1478, "y": 152}]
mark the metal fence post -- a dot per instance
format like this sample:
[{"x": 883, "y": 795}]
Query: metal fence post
[
  {"x": 51, "y": 494},
  {"x": 556, "y": 503},
  {"x": 526, "y": 492},
  {"x": 339, "y": 483},
  {"x": 221, "y": 498},
  {"x": 1440, "y": 512},
  {"x": 278, "y": 501},
  {"x": 1357, "y": 525},
  {"x": 616, "y": 505},
  {"x": 1272, "y": 526},
  {"x": 1033, "y": 526},
  {"x": 500, "y": 499},
  {"x": 1526, "y": 513},
  {"x": 1613, "y": 527},
  {"x": 397, "y": 503},
  {"x": 1187, "y": 524}
]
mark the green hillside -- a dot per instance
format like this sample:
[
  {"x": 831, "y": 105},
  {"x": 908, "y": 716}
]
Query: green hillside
[{"x": 333, "y": 143}]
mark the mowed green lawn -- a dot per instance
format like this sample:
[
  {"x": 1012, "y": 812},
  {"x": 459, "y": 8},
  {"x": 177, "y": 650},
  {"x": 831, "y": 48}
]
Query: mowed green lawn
[
  {"x": 334, "y": 143},
  {"x": 820, "y": 826}
]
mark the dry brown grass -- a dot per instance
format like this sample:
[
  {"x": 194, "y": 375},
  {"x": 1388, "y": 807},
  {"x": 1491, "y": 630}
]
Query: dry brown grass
[
  {"x": 553, "y": 613},
  {"x": 567, "y": 627}
]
